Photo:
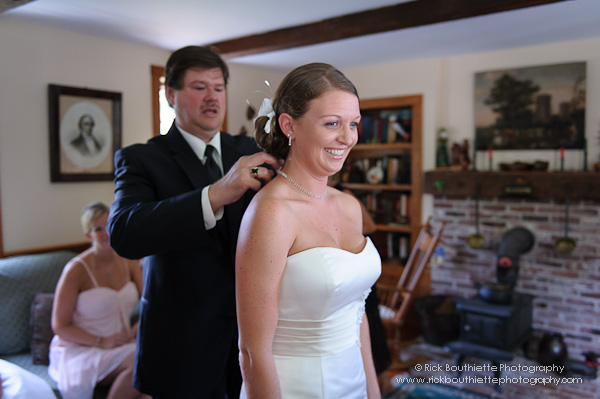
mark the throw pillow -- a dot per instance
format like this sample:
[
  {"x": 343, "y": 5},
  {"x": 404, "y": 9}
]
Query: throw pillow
[
  {"x": 41, "y": 327},
  {"x": 21, "y": 276}
]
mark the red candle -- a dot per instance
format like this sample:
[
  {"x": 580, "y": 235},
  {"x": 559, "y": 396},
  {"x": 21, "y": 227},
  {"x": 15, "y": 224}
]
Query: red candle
[
  {"x": 562, "y": 153},
  {"x": 490, "y": 153}
]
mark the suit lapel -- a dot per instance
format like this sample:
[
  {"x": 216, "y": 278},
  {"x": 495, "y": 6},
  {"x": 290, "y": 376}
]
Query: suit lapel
[
  {"x": 229, "y": 153},
  {"x": 198, "y": 176},
  {"x": 186, "y": 158}
]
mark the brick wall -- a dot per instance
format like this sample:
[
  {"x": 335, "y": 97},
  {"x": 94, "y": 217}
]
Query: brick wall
[{"x": 566, "y": 287}]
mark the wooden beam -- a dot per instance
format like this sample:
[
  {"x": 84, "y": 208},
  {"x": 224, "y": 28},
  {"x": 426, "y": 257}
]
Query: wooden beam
[
  {"x": 530, "y": 185},
  {"x": 379, "y": 20},
  {"x": 9, "y": 4}
]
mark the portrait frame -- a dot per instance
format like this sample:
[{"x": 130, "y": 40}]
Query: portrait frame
[
  {"x": 85, "y": 133},
  {"x": 531, "y": 108}
]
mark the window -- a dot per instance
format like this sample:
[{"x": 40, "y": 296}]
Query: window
[{"x": 162, "y": 113}]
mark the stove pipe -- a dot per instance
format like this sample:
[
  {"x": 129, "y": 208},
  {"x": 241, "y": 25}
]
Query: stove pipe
[{"x": 515, "y": 242}]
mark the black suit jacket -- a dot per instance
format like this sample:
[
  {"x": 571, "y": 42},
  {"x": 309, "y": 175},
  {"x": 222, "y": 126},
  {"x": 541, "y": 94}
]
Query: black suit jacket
[{"x": 187, "y": 321}]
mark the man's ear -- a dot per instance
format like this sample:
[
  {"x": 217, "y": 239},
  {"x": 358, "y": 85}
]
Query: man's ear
[{"x": 170, "y": 94}]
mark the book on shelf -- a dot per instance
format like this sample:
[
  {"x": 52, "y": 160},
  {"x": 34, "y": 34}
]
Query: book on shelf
[
  {"x": 387, "y": 208},
  {"x": 396, "y": 169},
  {"x": 403, "y": 208},
  {"x": 386, "y": 127},
  {"x": 397, "y": 246},
  {"x": 400, "y": 215}
]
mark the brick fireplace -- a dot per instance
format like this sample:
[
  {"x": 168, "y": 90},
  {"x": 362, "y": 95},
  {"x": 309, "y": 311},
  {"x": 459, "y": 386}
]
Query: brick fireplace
[{"x": 566, "y": 287}]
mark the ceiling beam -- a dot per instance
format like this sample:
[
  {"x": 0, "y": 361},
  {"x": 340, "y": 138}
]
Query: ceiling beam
[
  {"x": 8, "y": 4},
  {"x": 385, "y": 19}
]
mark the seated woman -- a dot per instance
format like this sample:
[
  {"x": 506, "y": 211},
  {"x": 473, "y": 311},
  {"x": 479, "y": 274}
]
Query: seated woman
[{"x": 94, "y": 342}]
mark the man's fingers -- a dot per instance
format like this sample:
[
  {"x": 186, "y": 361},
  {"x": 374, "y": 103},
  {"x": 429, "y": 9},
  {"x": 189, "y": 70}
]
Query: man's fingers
[
  {"x": 262, "y": 173},
  {"x": 263, "y": 158}
]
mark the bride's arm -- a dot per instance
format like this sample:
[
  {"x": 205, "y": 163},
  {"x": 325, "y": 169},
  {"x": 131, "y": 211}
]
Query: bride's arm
[
  {"x": 373, "y": 391},
  {"x": 261, "y": 256},
  {"x": 353, "y": 210}
]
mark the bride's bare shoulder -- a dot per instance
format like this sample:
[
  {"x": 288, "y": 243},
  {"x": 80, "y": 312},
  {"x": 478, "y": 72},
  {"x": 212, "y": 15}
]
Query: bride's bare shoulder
[{"x": 271, "y": 204}]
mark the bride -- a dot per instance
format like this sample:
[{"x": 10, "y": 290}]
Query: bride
[{"x": 303, "y": 267}]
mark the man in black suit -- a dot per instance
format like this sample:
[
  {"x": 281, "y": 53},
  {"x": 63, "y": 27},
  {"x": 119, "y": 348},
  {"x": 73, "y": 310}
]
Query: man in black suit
[{"x": 185, "y": 223}]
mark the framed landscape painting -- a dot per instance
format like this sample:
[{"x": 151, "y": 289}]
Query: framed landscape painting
[{"x": 531, "y": 108}]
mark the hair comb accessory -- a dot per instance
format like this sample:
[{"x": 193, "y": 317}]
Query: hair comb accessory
[{"x": 266, "y": 109}]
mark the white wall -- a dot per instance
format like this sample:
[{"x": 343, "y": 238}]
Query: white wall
[
  {"x": 35, "y": 212},
  {"x": 247, "y": 83}
]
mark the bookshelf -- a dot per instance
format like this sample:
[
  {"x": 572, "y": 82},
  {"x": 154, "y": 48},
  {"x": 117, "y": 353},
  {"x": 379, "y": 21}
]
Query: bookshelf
[{"x": 390, "y": 137}]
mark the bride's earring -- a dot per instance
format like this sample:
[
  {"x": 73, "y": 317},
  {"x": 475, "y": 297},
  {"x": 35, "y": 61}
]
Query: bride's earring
[{"x": 289, "y": 140}]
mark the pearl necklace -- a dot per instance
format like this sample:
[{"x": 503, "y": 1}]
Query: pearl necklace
[{"x": 299, "y": 187}]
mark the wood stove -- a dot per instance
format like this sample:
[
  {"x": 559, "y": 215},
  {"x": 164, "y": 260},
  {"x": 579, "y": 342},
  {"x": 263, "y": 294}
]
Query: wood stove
[
  {"x": 501, "y": 326},
  {"x": 494, "y": 323}
]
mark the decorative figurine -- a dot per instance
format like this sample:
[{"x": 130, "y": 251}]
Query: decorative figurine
[
  {"x": 465, "y": 159},
  {"x": 441, "y": 157},
  {"x": 456, "y": 154}
]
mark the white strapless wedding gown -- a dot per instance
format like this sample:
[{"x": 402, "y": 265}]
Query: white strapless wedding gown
[{"x": 317, "y": 341}]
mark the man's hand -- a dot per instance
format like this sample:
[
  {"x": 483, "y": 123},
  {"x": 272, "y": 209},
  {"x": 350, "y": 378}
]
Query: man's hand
[{"x": 239, "y": 179}]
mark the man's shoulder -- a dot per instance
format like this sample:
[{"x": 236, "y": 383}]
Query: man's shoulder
[
  {"x": 149, "y": 151},
  {"x": 152, "y": 144},
  {"x": 244, "y": 144}
]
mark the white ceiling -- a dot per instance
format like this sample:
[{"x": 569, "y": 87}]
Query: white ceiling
[{"x": 176, "y": 23}]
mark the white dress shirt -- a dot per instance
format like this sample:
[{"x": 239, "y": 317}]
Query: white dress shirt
[{"x": 199, "y": 147}]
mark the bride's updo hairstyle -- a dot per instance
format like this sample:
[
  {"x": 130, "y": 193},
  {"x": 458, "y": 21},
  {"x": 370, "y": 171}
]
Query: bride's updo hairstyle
[{"x": 297, "y": 89}]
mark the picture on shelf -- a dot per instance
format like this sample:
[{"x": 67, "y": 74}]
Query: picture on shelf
[{"x": 531, "y": 108}]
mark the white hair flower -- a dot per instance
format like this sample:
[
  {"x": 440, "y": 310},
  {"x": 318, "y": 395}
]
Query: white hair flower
[{"x": 266, "y": 109}]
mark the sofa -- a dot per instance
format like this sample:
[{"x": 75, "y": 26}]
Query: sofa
[{"x": 27, "y": 284}]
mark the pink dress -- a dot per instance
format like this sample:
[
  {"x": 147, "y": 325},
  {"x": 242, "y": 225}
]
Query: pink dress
[{"x": 101, "y": 311}]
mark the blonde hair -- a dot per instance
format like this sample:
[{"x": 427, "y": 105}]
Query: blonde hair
[{"x": 90, "y": 213}]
